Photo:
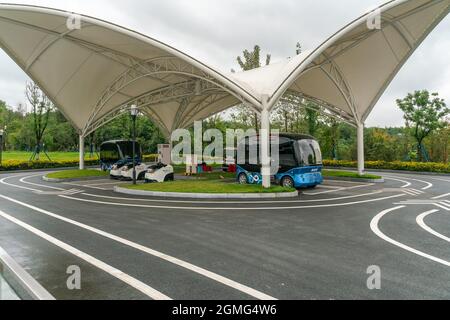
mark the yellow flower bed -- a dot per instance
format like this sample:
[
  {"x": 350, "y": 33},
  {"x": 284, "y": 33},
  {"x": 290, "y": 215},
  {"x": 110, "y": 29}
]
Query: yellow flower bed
[{"x": 10, "y": 165}]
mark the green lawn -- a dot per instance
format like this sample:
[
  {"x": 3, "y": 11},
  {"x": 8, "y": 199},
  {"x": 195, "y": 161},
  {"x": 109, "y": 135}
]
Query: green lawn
[
  {"x": 206, "y": 186},
  {"x": 74, "y": 174},
  {"x": 348, "y": 174},
  {"x": 54, "y": 156}
]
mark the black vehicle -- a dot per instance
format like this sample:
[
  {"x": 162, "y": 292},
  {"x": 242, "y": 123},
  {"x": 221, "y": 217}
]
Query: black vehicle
[{"x": 118, "y": 153}]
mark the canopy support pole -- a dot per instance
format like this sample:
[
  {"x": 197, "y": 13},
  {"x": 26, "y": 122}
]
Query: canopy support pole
[
  {"x": 265, "y": 143},
  {"x": 360, "y": 138},
  {"x": 81, "y": 146}
]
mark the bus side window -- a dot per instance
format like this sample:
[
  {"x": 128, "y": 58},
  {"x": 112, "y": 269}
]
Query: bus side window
[{"x": 287, "y": 155}]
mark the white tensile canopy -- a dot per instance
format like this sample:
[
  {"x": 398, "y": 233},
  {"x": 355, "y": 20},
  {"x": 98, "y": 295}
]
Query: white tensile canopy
[{"x": 94, "y": 71}]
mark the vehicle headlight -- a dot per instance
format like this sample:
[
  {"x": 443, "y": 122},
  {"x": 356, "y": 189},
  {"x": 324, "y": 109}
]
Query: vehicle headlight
[
  {"x": 125, "y": 168},
  {"x": 114, "y": 167}
]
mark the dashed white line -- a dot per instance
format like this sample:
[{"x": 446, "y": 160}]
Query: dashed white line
[
  {"x": 420, "y": 221},
  {"x": 374, "y": 225},
  {"x": 208, "y": 274},
  {"x": 133, "y": 282}
]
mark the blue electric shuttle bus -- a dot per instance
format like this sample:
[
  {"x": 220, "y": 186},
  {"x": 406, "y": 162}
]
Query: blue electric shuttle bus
[{"x": 300, "y": 162}]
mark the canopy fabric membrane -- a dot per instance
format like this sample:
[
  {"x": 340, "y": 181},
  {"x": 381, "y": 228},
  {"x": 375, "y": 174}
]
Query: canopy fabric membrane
[{"x": 95, "y": 71}]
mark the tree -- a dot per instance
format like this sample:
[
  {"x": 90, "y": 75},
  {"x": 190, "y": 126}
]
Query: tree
[
  {"x": 250, "y": 60},
  {"x": 41, "y": 107},
  {"x": 424, "y": 113},
  {"x": 312, "y": 118}
]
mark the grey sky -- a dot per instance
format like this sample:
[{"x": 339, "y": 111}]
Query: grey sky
[{"x": 217, "y": 31}]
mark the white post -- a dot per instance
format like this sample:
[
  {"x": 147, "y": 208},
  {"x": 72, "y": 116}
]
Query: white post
[
  {"x": 265, "y": 144},
  {"x": 81, "y": 145},
  {"x": 360, "y": 137}
]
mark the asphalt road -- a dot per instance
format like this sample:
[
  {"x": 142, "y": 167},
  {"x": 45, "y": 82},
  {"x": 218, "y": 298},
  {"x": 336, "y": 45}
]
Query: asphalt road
[{"x": 317, "y": 246}]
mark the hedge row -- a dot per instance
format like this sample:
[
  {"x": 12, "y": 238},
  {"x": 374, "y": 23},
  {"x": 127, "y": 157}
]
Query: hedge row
[
  {"x": 397, "y": 165},
  {"x": 10, "y": 165}
]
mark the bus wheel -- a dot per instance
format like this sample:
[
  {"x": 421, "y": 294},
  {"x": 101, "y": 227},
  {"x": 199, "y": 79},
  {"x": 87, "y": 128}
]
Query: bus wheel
[
  {"x": 243, "y": 178},
  {"x": 287, "y": 182}
]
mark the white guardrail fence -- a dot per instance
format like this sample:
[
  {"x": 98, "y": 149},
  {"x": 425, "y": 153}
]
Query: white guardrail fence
[{"x": 16, "y": 283}]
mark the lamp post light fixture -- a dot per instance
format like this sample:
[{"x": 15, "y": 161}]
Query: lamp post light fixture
[
  {"x": 134, "y": 112},
  {"x": 1, "y": 144}
]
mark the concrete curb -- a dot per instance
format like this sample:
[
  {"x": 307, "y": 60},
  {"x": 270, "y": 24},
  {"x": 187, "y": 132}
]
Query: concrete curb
[
  {"x": 47, "y": 179},
  {"x": 206, "y": 195},
  {"x": 354, "y": 179}
]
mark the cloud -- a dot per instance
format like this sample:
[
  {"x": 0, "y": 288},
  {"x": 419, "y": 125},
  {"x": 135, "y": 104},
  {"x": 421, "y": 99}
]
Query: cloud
[{"x": 217, "y": 31}]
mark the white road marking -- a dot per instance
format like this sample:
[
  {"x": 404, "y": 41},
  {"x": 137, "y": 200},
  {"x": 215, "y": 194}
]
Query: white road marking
[
  {"x": 438, "y": 179},
  {"x": 84, "y": 186},
  {"x": 235, "y": 208},
  {"x": 3, "y": 181},
  {"x": 337, "y": 190},
  {"x": 23, "y": 180},
  {"x": 429, "y": 185},
  {"x": 234, "y": 202},
  {"x": 443, "y": 196},
  {"x": 208, "y": 274},
  {"x": 407, "y": 184},
  {"x": 133, "y": 282},
  {"x": 68, "y": 192},
  {"x": 413, "y": 192},
  {"x": 374, "y": 225},
  {"x": 443, "y": 205},
  {"x": 104, "y": 184},
  {"x": 420, "y": 221}
]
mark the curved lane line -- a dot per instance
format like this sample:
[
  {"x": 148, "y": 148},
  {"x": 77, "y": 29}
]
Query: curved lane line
[
  {"x": 208, "y": 274},
  {"x": 407, "y": 184},
  {"x": 437, "y": 179},
  {"x": 38, "y": 185},
  {"x": 3, "y": 181},
  {"x": 133, "y": 282},
  {"x": 429, "y": 185},
  {"x": 232, "y": 202},
  {"x": 374, "y": 225},
  {"x": 420, "y": 221},
  {"x": 181, "y": 201},
  {"x": 234, "y": 208}
]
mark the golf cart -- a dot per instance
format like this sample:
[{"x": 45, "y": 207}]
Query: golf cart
[{"x": 159, "y": 173}]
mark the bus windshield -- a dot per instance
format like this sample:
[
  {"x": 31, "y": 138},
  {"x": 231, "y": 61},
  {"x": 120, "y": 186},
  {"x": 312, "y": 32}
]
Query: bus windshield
[
  {"x": 127, "y": 149},
  {"x": 109, "y": 153},
  {"x": 308, "y": 152}
]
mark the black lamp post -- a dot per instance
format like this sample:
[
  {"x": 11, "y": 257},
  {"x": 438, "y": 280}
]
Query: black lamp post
[
  {"x": 134, "y": 112},
  {"x": 1, "y": 145}
]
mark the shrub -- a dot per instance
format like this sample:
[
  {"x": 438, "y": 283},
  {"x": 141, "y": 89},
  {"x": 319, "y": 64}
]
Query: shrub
[{"x": 396, "y": 165}]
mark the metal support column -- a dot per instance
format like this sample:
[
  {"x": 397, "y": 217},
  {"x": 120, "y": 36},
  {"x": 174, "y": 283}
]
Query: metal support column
[
  {"x": 81, "y": 146},
  {"x": 265, "y": 144},
  {"x": 360, "y": 137}
]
